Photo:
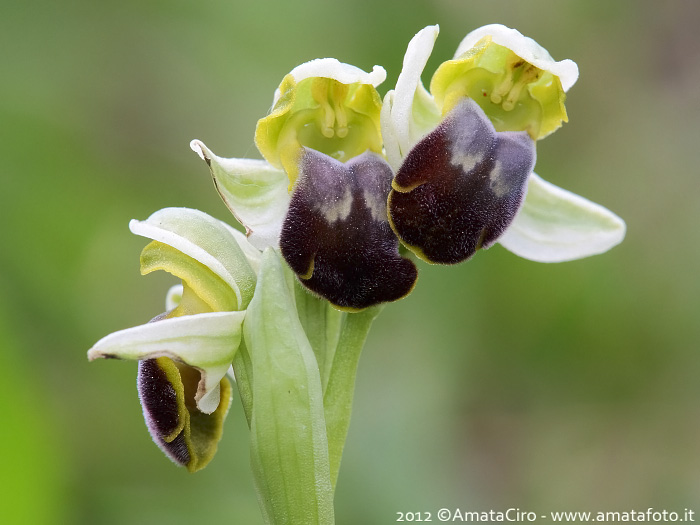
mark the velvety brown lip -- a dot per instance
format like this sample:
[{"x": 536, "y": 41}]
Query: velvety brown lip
[
  {"x": 336, "y": 236},
  {"x": 460, "y": 187}
]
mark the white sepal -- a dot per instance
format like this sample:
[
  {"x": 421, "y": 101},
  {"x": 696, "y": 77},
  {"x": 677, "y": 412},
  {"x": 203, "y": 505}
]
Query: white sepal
[
  {"x": 207, "y": 341},
  {"x": 555, "y": 225}
]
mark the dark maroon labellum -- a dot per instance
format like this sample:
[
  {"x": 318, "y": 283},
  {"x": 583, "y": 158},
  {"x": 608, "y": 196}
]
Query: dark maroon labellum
[
  {"x": 160, "y": 410},
  {"x": 460, "y": 187},
  {"x": 336, "y": 236}
]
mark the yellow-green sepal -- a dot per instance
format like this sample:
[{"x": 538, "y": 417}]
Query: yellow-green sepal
[
  {"x": 208, "y": 241},
  {"x": 197, "y": 279}
]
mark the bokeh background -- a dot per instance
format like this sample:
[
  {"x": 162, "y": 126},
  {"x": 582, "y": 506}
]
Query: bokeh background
[{"x": 498, "y": 383}]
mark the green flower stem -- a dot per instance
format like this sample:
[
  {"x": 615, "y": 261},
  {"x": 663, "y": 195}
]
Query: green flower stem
[
  {"x": 289, "y": 448},
  {"x": 322, "y": 324},
  {"x": 337, "y": 399}
]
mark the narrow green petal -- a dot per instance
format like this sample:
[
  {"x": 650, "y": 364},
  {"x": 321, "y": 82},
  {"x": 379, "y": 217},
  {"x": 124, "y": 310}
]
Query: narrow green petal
[
  {"x": 254, "y": 191},
  {"x": 555, "y": 225},
  {"x": 289, "y": 447},
  {"x": 206, "y": 341},
  {"x": 205, "y": 239}
]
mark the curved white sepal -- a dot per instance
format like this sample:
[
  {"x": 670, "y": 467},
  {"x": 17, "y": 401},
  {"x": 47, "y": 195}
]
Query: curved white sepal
[
  {"x": 206, "y": 341},
  {"x": 555, "y": 225},
  {"x": 403, "y": 117},
  {"x": 254, "y": 191},
  {"x": 525, "y": 48}
]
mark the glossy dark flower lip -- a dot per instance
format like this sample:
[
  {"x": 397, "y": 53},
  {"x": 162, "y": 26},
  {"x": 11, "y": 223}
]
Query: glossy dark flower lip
[
  {"x": 336, "y": 235},
  {"x": 460, "y": 187}
]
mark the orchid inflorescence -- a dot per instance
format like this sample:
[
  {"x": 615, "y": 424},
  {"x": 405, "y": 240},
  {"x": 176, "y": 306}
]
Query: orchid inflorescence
[{"x": 351, "y": 190}]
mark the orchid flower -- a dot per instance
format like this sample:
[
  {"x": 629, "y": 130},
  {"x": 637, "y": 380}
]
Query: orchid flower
[
  {"x": 320, "y": 195},
  {"x": 185, "y": 353},
  {"x": 458, "y": 187},
  {"x": 345, "y": 181}
]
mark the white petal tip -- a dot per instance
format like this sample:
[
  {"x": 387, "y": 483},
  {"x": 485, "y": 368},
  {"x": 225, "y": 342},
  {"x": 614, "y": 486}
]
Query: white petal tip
[
  {"x": 333, "y": 68},
  {"x": 433, "y": 30},
  {"x": 134, "y": 226},
  {"x": 208, "y": 402},
  {"x": 198, "y": 147}
]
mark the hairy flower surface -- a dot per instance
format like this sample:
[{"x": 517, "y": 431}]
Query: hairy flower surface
[
  {"x": 320, "y": 196},
  {"x": 518, "y": 88}
]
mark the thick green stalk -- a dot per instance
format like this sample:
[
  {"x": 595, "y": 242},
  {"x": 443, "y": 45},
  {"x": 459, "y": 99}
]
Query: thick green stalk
[{"x": 322, "y": 324}]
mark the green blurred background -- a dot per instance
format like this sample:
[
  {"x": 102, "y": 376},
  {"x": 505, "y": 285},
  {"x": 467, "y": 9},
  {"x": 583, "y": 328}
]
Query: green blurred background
[{"x": 498, "y": 383}]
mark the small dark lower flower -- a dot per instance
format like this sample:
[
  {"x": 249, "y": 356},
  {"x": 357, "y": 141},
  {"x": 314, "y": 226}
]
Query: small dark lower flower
[
  {"x": 185, "y": 353},
  {"x": 460, "y": 187},
  {"x": 167, "y": 390}
]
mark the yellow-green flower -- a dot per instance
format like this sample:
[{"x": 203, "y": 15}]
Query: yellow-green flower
[
  {"x": 326, "y": 106},
  {"x": 516, "y": 82}
]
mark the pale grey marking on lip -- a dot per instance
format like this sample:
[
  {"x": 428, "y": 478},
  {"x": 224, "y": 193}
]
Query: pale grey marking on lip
[
  {"x": 471, "y": 142},
  {"x": 337, "y": 208},
  {"x": 498, "y": 184},
  {"x": 375, "y": 205},
  {"x": 467, "y": 161}
]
